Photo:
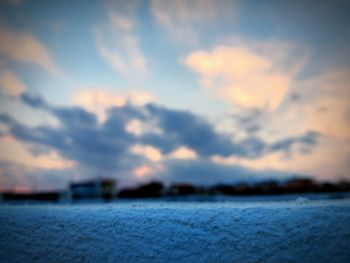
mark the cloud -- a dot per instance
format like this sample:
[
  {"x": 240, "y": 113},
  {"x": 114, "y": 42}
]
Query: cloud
[
  {"x": 14, "y": 177},
  {"x": 329, "y": 160},
  {"x": 183, "y": 153},
  {"x": 18, "y": 177},
  {"x": 175, "y": 129},
  {"x": 140, "y": 98},
  {"x": 155, "y": 155},
  {"x": 117, "y": 40},
  {"x": 148, "y": 151},
  {"x": 142, "y": 171},
  {"x": 248, "y": 120},
  {"x": 244, "y": 75},
  {"x": 319, "y": 103},
  {"x": 33, "y": 101},
  {"x": 25, "y": 48},
  {"x": 322, "y": 102},
  {"x": 183, "y": 128},
  {"x": 99, "y": 100},
  {"x": 109, "y": 148},
  {"x": 13, "y": 150},
  {"x": 307, "y": 139},
  {"x": 185, "y": 20},
  {"x": 79, "y": 137},
  {"x": 10, "y": 84}
]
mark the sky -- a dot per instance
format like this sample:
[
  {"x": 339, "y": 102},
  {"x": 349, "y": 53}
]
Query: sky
[{"x": 202, "y": 92}]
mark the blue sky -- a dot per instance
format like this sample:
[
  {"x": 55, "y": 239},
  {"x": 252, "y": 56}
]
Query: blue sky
[{"x": 145, "y": 90}]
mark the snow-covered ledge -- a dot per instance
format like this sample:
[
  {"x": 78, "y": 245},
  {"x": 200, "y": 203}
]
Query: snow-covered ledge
[{"x": 300, "y": 231}]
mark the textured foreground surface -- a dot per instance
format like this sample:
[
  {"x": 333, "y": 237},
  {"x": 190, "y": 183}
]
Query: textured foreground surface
[{"x": 177, "y": 232}]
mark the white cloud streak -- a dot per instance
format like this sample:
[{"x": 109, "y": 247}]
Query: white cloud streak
[{"x": 117, "y": 41}]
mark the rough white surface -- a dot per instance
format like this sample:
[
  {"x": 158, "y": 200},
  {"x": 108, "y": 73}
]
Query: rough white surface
[{"x": 317, "y": 231}]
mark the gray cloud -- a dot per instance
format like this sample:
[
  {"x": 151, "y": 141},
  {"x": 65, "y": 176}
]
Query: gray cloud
[{"x": 103, "y": 148}]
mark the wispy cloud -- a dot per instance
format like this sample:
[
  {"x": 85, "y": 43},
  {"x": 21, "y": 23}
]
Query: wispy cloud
[
  {"x": 322, "y": 102},
  {"x": 118, "y": 43},
  {"x": 26, "y": 48},
  {"x": 185, "y": 20}
]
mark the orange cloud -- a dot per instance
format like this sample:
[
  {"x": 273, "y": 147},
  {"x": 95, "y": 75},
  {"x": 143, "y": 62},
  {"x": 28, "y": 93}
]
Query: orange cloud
[
  {"x": 324, "y": 104},
  {"x": 183, "y": 153},
  {"x": 328, "y": 161},
  {"x": 98, "y": 100},
  {"x": 148, "y": 151},
  {"x": 25, "y": 48},
  {"x": 146, "y": 171},
  {"x": 15, "y": 151},
  {"x": 142, "y": 171},
  {"x": 10, "y": 84},
  {"x": 140, "y": 98},
  {"x": 241, "y": 76},
  {"x": 155, "y": 155}
]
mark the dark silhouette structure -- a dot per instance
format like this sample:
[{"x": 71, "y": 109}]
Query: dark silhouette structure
[
  {"x": 151, "y": 190},
  {"x": 104, "y": 188},
  {"x": 49, "y": 196}
]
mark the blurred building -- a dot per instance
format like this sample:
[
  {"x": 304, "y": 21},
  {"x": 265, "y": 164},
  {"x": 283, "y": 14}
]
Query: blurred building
[
  {"x": 182, "y": 189},
  {"x": 150, "y": 190},
  {"x": 33, "y": 196},
  {"x": 94, "y": 189}
]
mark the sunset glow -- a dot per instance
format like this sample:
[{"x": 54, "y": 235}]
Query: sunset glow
[{"x": 202, "y": 89}]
